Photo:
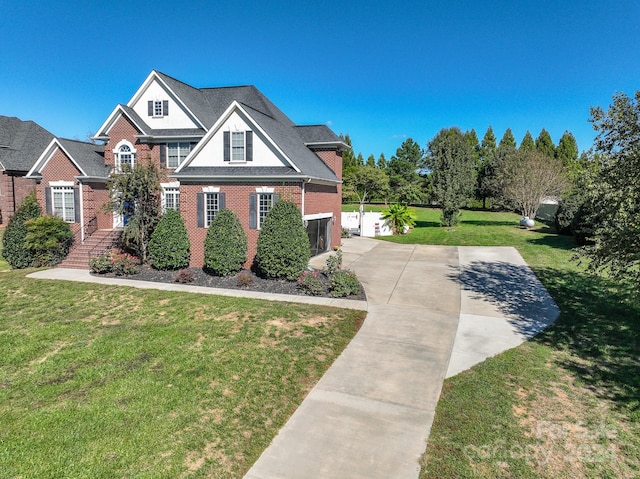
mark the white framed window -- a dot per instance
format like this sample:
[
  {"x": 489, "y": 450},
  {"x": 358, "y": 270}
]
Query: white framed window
[
  {"x": 176, "y": 153},
  {"x": 63, "y": 203},
  {"x": 265, "y": 203},
  {"x": 211, "y": 207},
  {"x": 237, "y": 146},
  {"x": 171, "y": 199},
  {"x": 157, "y": 108},
  {"x": 124, "y": 154}
]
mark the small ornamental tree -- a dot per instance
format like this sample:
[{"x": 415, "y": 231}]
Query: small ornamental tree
[
  {"x": 49, "y": 238},
  {"x": 283, "y": 244},
  {"x": 13, "y": 249},
  {"x": 169, "y": 244},
  {"x": 225, "y": 247},
  {"x": 399, "y": 217}
]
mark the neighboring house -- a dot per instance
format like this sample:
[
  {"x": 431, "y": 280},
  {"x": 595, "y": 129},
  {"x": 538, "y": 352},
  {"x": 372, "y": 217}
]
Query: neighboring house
[
  {"x": 217, "y": 148},
  {"x": 71, "y": 182},
  {"x": 21, "y": 144}
]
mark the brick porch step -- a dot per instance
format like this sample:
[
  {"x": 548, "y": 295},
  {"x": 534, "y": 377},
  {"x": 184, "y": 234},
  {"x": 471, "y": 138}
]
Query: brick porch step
[{"x": 98, "y": 243}]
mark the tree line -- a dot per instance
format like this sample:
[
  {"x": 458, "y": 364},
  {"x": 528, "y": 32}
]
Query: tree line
[
  {"x": 456, "y": 169},
  {"x": 599, "y": 191}
]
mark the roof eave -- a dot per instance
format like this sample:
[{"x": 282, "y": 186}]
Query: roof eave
[{"x": 340, "y": 145}]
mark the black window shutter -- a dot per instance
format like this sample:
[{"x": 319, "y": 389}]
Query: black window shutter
[
  {"x": 249, "y": 145},
  {"x": 222, "y": 201},
  {"x": 150, "y": 107},
  {"x": 227, "y": 146},
  {"x": 200, "y": 209},
  {"x": 253, "y": 211},
  {"x": 163, "y": 156},
  {"x": 165, "y": 107},
  {"x": 47, "y": 201},
  {"x": 76, "y": 204}
]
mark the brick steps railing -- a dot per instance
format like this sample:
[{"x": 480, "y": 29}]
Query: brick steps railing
[{"x": 99, "y": 242}]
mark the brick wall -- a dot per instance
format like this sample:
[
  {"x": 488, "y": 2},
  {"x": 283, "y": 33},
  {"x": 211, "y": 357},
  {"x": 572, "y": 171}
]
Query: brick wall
[
  {"x": 10, "y": 186},
  {"x": 237, "y": 200}
]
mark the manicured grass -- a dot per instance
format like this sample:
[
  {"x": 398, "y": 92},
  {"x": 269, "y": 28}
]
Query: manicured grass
[
  {"x": 566, "y": 404},
  {"x": 102, "y": 382}
]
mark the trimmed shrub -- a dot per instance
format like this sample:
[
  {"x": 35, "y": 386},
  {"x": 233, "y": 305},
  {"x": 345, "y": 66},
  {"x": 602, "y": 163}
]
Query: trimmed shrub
[
  {"x": 311, "y": 283},
  {"x": 101, "y": 264},
  {"x": 13, "y": 249},
  {"x": 244, "y": 279},
  {"x": 49, "y": 238},
  {"x": 225, "y": 247},
  {"x": 120, "y": 264},
  {"x": 334, "y": 262},
  {"x": 184, "y": 276},
  {"x": 169, "y": 245},
  {"x": 283, "y": 245}
]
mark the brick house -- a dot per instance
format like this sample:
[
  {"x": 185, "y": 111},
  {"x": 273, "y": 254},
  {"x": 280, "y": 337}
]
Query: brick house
[
  {"x": 21, "y": 144},
  {"x": 217, "y": 148}
]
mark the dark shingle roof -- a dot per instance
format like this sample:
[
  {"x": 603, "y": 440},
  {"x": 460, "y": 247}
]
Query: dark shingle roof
[
  {"x": 208, "y": 104},
  {"x": 88, "y": 156},
  {"x": 317, "y": 134},
  {"x": 21, "y": 143}
]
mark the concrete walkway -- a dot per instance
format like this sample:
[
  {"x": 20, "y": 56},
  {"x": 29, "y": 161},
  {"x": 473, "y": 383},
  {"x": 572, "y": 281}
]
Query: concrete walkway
[{"x": 433, "y": 311}]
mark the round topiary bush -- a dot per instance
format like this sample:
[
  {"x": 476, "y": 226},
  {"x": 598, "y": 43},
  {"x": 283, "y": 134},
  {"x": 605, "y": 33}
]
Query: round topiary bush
[
  {"x": 283, "y": 245},
  {"x": 169, "y": 244},
  {"x": 225, "y": 247},
  {"x": 13, "y": 247}
]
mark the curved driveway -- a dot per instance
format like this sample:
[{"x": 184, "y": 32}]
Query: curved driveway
[{"x": 432, "y": 311}]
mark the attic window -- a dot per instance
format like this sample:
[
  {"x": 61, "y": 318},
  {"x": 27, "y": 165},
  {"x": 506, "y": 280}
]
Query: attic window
[
  {"x": 158, "y": 108},
  {"x": 238, "y": 146}
]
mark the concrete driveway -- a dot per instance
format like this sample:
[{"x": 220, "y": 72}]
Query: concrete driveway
[{"x": 433, "y": 311}]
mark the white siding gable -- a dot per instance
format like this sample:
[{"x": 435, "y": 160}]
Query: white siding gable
[
  {"x": 177, "y": 117},
  {"x": 211, "y": 151}
]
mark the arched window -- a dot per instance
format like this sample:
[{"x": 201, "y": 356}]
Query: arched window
[{"x": 124, "y": 154}]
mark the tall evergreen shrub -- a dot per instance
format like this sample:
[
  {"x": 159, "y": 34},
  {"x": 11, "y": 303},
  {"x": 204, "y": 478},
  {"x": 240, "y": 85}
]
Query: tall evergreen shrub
[
  {"x": 169, "y": 244},
  {"x": 283, "y": 245},
  {"x": 225, "y": 247},
  {"x": 13, "y": 247},
  {"x": 49, "y": 238}
]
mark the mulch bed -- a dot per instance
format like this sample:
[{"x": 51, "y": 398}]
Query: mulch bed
[{"x": 249, "y": 282}]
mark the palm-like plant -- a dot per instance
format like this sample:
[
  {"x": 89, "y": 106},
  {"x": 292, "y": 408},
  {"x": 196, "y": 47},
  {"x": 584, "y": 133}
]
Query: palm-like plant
[{"x": 399, "y": 217}]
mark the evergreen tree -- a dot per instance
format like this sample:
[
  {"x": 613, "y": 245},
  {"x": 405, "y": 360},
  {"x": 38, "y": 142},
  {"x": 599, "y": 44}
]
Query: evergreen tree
[
  {"x": 472, "y": 138},
  {"x": 225, "y": 246},
  {"x": 451, "y": 160},
  {"x": 371, "y": 161},
  {"x": 508, "y": 140},
  {"x": 349, "y": 163},
  {"x": 13, "y": 240},
  {"x": 360, "y": 160},
  {"x": 169, "y": 245},
  {"x": 486, "y": 170},
  {"x": 527, "y": 143},
  {"x": 567, "y": 150},
  {"x": 405, "y": 181},
  {"x": 544, "y": 144},
  {"x": 382, "y": 162}
]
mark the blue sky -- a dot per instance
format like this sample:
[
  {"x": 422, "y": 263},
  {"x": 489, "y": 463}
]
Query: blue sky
[{"x": 379, "y": 71}]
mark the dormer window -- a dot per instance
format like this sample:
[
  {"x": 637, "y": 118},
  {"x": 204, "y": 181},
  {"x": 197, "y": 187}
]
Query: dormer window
[
  {"x": 158, "y": 108},
  {"x": 238, "y": 146}
]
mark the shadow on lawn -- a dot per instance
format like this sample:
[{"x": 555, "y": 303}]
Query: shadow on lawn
[
  {"x": 600, "y": 327},
  {"x": 427, "y": 224},
  {"x": 599, "y": 322},
  {"x": 515, "y": 292},
  {"x": 489, "y": 223}
]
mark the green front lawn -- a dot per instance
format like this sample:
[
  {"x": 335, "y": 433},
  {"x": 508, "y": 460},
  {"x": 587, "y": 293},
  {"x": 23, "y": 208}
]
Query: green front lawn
[{"x": 101, "y": 382}]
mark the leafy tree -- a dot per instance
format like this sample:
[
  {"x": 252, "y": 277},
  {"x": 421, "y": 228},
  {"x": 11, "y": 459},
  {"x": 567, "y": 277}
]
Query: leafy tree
[
  {"x": 225, "y": 247},
  {"x": 399, "y": 216},
  {"x": 135, "y": 194},
  {"x": 451, "y": 160},
  {"x": 13, "y": 241},
  {"x": 544, "y": 144},
  {"x": 528, "y": 176},
  {"x": 527, "y": 142},
  {"x": 169, "y": 244},
  {"x": 382, "y": 162},
  {"x": 360, "y": 160},
  {"x": 404, "y": 179},
  {"x": 283, "y": 245},
  {"x": 486, "y": 170},
  {"x": 366, "y": 183},
  {"x": 508, "y": 141},
  {"x": 616, "y": 191}
]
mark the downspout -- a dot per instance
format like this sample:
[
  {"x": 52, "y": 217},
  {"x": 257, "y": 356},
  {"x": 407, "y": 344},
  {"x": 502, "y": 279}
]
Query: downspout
[{"x": 81, "y": 212}]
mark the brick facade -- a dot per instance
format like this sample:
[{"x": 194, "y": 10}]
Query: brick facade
[{"x": 13, "y": 189}]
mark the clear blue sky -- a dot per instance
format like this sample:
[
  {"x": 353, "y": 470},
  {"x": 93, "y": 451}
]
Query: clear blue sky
[{"x": 380, "y": 71}]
